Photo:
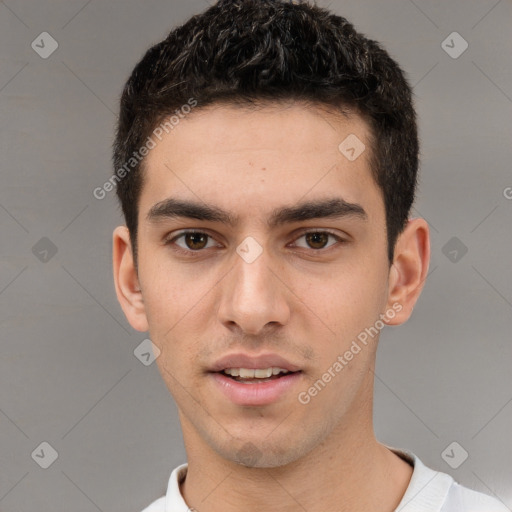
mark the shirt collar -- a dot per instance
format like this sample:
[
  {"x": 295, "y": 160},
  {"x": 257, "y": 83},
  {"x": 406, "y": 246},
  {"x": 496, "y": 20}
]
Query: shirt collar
[
  {"x": 174, "y": 501},
  {"x": 426, "y": 492}
]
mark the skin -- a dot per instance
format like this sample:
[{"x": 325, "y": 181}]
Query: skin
[{"x": 303, "y": 301}]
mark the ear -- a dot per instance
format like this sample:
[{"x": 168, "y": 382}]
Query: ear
[
  {"x": 126, "y": 280},
  {"x": 409, "y": 270}
]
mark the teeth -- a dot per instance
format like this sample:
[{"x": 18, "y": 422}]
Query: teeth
[
  {"x": 249, "y": 373},
  {"x": 263, "y": 374},
  {"x": 246, "y": 374}
]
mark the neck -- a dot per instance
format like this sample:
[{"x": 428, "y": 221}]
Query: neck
[{"x": 349, "y": 471}]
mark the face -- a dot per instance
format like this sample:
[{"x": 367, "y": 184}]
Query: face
[{"x": 254, "y": 282}]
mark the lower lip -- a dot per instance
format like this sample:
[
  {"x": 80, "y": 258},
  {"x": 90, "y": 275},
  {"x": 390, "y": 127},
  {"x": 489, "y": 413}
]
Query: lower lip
[{"x": 259, "y": 393}]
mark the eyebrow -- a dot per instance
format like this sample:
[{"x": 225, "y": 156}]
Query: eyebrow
[{"x": 334, "y": 208}]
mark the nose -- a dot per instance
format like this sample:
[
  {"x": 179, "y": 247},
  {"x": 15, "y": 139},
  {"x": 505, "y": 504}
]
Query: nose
[{"x": 253, "y": 297}]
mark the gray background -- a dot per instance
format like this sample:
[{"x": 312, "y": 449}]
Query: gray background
[{"x": 68, "y": 374}]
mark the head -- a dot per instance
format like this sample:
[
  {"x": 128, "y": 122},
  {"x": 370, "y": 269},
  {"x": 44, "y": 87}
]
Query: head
[
  {"x": 244, "y": 52},
  {"x": 264, "y": 95}
]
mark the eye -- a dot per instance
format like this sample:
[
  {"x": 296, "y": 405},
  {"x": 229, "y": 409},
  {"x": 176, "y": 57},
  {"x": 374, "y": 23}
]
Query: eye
[
  {"x": 194, "y": 241},
  {"x": 318, "y": 240}
]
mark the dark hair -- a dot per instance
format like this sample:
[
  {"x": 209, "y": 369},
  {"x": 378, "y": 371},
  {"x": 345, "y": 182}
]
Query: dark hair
[{"x": 247, "y": 51}]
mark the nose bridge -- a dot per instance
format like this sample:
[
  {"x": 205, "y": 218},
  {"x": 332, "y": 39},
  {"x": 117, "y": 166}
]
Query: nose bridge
[
  {"x": 253, "y": 275},
  {"x": 253, "y": 297}
]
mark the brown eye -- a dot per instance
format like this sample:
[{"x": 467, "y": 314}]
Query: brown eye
[
  {"x": 190, "y": 241},
  {"x": 195, "y": 241},
  {"x": 317, "y": 240}
]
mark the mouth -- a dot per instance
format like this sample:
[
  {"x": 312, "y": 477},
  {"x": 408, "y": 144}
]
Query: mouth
[
  {"x": 255, "y": 386},
  {"x": 254, "y": 379}
]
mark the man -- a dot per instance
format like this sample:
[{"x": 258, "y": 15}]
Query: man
[{"x": 267, "y": 156}]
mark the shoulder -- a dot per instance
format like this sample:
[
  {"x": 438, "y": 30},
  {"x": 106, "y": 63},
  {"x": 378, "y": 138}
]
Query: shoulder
[
  {"x": 173, "y": 500},
  {"x": 157, "y": 506},
  {"x": 462, "y": 498},
  {"x": 431, "y": 490}
]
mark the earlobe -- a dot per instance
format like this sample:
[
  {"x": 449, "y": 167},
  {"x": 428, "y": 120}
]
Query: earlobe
[
  {"x": 409, "y": 270},
  {"x": 126, "y": 280}
]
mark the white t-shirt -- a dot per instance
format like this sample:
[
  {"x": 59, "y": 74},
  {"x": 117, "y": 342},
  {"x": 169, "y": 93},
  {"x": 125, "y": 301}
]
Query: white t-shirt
[{"x": 428, "y": 491}]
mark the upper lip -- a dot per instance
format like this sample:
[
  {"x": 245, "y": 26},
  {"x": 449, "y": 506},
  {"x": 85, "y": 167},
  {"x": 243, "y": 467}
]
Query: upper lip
[{"x": 253, "y": 362}]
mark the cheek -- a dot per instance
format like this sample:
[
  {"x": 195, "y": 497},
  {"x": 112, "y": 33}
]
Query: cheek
[
  {"x": 166, "y": 303},
  {"x": 354, "y": 298},
  {"x": 175, "y": 305},
  {"x": 170, "y": 290}
]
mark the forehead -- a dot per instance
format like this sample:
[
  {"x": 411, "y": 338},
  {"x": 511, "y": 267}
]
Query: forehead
[{"x": 257, "y": 160}]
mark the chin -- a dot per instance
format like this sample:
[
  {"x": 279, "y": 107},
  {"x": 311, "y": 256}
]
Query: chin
[{"x": 264, "y": 455}]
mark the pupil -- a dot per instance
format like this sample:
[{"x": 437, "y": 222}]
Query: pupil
[
  {"x": 313, "y": 238},
  {"x": 194, "y": 237}
]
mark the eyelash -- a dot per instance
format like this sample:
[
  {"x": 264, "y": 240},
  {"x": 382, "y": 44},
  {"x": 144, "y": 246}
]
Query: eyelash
[{"x": 191, "y": 253}]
